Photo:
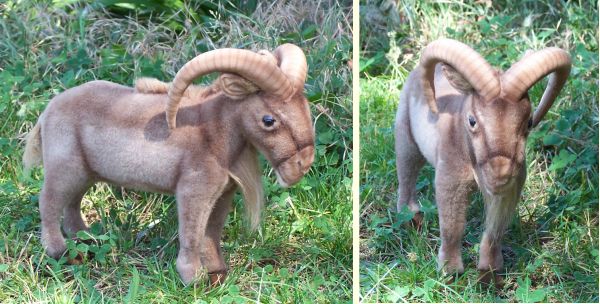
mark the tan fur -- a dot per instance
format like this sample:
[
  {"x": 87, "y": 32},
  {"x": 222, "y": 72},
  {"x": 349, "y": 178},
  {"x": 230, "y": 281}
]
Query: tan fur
[
  {"x": 235, "y": 86},
  {"x": 456, "y": 79},
  {"x": 151, "y": 86},
  {"x": 32, "y": 157},
  {"x": 489, "y": 156},
  {"x": 155, "y": 86},
  {"x": 101, "y": 131}
]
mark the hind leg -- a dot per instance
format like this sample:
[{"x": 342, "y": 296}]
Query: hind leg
[
  {"x": 61, "y": 188},
  {"x": 72, "y": 220},
  {"x": 409, "y": 162}
]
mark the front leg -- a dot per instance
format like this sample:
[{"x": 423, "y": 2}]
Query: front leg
[
  {"x": 452, "y": 196},
  {"x": 197, "y": 194},
  {"x": 211, "y": 243}
]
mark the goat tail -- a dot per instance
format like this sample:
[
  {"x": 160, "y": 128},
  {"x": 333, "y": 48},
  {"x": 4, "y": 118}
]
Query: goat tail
[
  {"x": 32, "y": 157},
  {"x": 246, "y": 174}
]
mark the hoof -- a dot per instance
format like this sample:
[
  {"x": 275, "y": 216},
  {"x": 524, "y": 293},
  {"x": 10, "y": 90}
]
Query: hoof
[
  {"x": 450, "y": 264},
  {"x": 488, "y": 278},
  {"x": 55, "y": 249},
  {"x": 451, "y": 278},
  {"x": 71, "y": 229},
  {"x": 188, "y": 272},
  {"x": 77, "y": 260},
  {"x": 417, "y": 220},
  {"x": 217, "y": 277}
]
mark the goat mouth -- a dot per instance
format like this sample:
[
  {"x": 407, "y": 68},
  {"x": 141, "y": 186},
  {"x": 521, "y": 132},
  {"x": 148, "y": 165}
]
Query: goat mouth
[
  {"x": 291, "y": 170},
  {"x": 280, "y": 180},
  {"x": 498, "y": 186}
]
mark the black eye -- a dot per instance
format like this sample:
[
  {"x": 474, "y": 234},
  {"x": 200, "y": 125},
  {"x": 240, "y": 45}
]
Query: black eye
[
  {"x": 530, "y": 123},
  {"x": 268, "y": 120},
  {"x": 472, "y": 121}
]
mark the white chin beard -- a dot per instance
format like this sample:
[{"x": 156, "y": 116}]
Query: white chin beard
[{"x": 280, "y": 180}]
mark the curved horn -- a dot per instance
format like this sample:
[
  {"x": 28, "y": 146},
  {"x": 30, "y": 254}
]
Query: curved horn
[
  {"x": 466, "y": 61},
  {"x": 293, "y": 64},
  {"x": 533, "y": 67},
  {"x": 252, "y": 66}
]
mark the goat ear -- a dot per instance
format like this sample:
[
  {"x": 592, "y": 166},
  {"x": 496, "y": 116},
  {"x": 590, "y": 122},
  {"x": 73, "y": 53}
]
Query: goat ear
[
  {"x": 456, "y": 79},
  {"x": 236, "y": 87}
]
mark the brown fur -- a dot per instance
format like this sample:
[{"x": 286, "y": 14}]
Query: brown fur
[
  {"x": 101, "y": 131},
  {"x": 489, "y": 156}
]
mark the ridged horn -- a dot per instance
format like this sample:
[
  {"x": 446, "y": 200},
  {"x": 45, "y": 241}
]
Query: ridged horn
[
  {"x": 293, "y": 64},
  {"x": 472, "y": 66},
  {"x": 522, "y": 75},
  {"x": 250, "y": 65}
]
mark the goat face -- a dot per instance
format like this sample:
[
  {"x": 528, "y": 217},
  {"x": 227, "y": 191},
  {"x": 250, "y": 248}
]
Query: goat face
[
  {"x": 497, "y": 133},
  {"x": 275, "y": 117},
  {"x": 496, "y": 112},
  {"x": 283, "y": 132}
]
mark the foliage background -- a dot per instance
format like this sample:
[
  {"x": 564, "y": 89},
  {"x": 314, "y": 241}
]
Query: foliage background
[
  {"x": 302, "y": 253},
  {"x": 551, "y": 248}
]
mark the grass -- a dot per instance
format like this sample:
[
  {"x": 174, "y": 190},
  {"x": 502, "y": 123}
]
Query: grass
[
  {"x": 301, "y": 253},
  {"x": 551, "y": 247}
]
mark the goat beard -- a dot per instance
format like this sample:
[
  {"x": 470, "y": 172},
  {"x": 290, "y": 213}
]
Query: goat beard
[
  {"x": 247, "y": 175},
  {"x": 499, "y": 209}
]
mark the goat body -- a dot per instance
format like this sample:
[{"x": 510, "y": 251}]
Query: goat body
[
  {"x": 101, "y": 131},
  {"x": 454, "y": 114}
]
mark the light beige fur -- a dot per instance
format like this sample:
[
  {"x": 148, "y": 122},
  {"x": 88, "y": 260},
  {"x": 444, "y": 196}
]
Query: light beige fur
[
  {"x": 102, "y": 131},
  {"x": 32, "y": 157}
]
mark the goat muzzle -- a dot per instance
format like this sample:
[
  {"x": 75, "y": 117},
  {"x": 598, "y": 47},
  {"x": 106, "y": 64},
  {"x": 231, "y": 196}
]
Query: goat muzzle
[
  {"x": 293, "y": 169},
  {"x": 498, "y": 174}
]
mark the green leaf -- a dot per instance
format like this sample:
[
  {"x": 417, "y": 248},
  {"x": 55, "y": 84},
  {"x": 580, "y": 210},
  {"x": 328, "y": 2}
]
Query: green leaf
[
  {"x": 309, "y": 32},
  {"x": 3, "y": 267},
  {"x": 397, "y": 294},
  {"x": 103, "y": 237},
  {"x": 134, "y": 287},
  {"x": 551, "y": 139},
  {"x": 83, "y": 235},
  {"x": 83, "y": 248},
  {"x": 563, "y": 159},
  {"x": 284, "y": 272},
  {"x": 234, "y": 290},
  {"x": 537, "y": 295},
  {"x": 325, "y": 137},
  {"x": 562, "y": 125},
  {"x": 403, "y": 216},
  {"x": 364, "y": 64},
  {"x": 524, "y": 294}
]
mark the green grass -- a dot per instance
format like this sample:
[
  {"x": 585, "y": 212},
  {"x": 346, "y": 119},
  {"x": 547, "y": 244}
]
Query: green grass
[
  {"x": 301, "y": 253},
  {"x": 551, "y": 247}
]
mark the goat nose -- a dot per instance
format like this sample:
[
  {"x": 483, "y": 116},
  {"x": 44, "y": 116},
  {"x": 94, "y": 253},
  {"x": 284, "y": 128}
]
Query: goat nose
[
  {"x": 500, "y": 168},
  {"x": 306, "y": 158}
]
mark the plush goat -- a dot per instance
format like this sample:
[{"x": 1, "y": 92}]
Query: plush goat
[
  {"x": 471, "y": 123},
  {"x": 101, "y": 131}
]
